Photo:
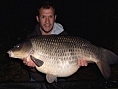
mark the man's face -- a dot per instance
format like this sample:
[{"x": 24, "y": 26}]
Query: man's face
[{"x": 46, "y": 19}]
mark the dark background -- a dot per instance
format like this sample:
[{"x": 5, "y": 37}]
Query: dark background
[{"x": 94, "y": 20}]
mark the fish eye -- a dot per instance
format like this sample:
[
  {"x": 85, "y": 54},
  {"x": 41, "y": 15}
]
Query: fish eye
[{"x": 16, "y": 46}]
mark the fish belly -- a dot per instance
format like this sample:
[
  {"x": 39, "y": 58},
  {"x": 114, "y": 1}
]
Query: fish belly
[{"x": 59, "y": 69}]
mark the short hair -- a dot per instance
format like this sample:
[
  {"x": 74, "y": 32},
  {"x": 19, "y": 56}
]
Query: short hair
[{"x": 46, "y": 5}]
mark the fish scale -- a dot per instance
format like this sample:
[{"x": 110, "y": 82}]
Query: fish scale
[
  {"x": 62, "y": 59},
  {"x": 57, "y": 56}
]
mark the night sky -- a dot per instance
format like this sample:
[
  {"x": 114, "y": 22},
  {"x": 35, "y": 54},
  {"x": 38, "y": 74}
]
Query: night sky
[{"x": 94, "y": 20}]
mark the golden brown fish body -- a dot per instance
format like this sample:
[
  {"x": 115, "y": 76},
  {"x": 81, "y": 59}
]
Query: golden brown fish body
[{"x": 57, "y": 56}]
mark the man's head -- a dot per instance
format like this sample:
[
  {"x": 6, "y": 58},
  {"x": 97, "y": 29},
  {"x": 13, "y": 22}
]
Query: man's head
[{"x": 46, "y": 17}]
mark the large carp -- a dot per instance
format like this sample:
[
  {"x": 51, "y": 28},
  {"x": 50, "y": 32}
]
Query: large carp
[{"x": 57, "y": 56}]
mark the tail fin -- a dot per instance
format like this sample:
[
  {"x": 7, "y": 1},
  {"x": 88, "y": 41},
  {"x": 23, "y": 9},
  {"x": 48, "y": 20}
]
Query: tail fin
[{"x": 106, "y": 58}]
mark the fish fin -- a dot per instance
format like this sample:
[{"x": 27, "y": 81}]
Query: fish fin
[
  {"x": 51, "y": 78},
  {"x": 108, "y": 56},
  {"x": 36, "y": 61},
  {"x": 104, "y": 68}
]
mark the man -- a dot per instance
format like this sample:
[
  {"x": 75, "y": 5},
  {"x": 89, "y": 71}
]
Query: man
[{"x": 46, "y": 26}]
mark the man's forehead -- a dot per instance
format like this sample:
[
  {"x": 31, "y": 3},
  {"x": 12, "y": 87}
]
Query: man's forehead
[{"x": 46, "y": 11}]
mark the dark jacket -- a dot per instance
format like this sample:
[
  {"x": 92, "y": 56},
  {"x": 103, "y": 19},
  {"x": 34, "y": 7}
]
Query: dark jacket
[
  {"x": 38, "y": 32},
  {"x": 36, "y": 75}
]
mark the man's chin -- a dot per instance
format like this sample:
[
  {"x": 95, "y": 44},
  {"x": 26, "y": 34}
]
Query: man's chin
[{"x": 47, "y": 30}]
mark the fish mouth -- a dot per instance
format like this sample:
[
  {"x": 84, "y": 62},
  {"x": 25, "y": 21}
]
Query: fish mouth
[{"x": 10, "y": 53}]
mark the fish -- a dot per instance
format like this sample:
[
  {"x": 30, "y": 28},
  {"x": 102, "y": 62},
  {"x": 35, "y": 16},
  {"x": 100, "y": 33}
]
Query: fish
[{"x": 57, "y": 56}]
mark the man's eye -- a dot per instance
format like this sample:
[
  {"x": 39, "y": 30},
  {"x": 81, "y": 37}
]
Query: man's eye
[
  {"x": 51, "y": 16},
  {"x": 42, "y": 16}
]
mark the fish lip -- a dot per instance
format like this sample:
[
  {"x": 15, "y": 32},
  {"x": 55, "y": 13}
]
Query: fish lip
[{"x": 10, "y": 53}]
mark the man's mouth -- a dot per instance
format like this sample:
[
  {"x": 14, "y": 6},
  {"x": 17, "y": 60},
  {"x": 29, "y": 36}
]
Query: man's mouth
[{"x": 47, "y": 25}]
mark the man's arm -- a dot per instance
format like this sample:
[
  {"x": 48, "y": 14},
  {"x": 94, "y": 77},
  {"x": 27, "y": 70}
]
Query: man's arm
[{"x": 29, "y": 62}]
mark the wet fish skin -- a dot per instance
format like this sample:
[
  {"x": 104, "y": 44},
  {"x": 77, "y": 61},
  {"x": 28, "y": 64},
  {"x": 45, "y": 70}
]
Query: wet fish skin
[{"x": 57, "y": 56}]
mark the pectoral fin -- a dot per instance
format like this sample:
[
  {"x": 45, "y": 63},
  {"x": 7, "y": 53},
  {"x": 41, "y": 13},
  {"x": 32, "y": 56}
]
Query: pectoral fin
[
  {"x": 51, "y": 78},
  {"x": 36, "y": 61}
]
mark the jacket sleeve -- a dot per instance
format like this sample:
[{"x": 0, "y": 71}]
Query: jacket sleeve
[
  {"x": 63, "y": 33},
  {"x": 34, "y": 33}
]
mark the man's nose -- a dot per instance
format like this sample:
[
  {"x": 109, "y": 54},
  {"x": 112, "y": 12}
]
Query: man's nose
[{"x": 47, "y": 20}]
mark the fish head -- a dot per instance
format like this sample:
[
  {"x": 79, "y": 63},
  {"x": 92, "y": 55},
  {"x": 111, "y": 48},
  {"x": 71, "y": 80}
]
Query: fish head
[{"x": 21, "y": 50}]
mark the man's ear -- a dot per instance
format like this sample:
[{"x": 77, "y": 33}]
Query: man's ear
[
  {"x": 37, "y": 18},
  {"x": 55, "y": 17}
]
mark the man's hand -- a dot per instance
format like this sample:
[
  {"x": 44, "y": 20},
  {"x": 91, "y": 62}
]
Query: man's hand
[
  {"x": 82, "y": 62},
  {"x": 29, "y": 62}
]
